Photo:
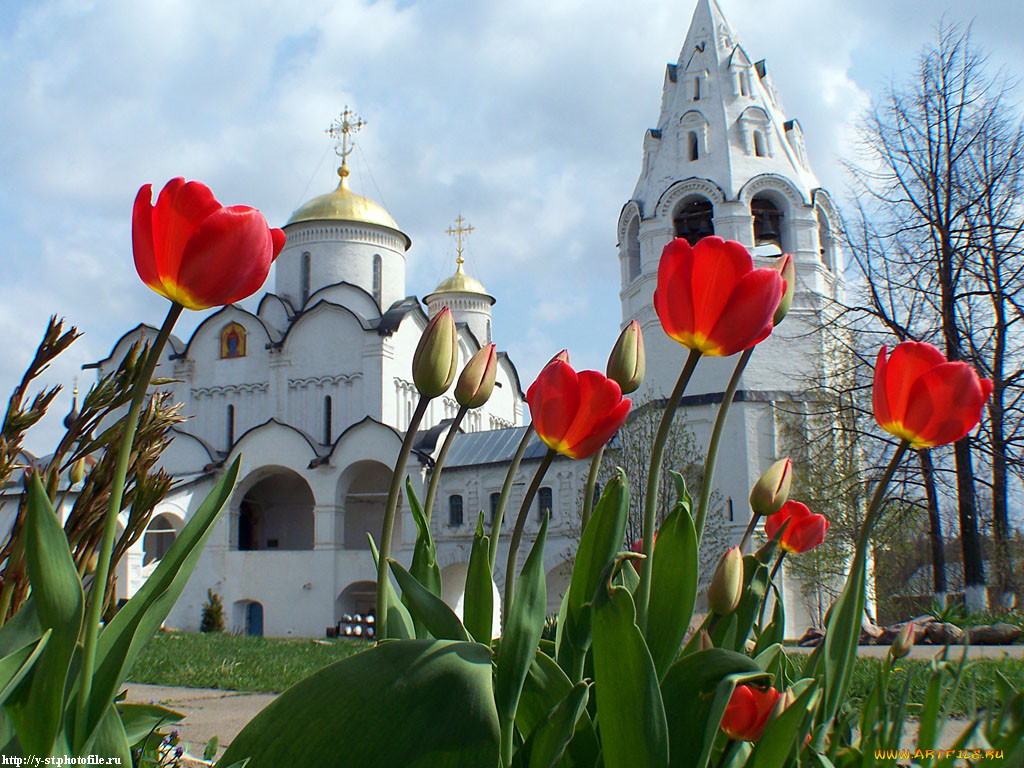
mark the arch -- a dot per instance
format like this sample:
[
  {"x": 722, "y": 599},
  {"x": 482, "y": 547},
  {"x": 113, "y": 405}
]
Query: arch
[
  {"x": 377, "y": 277},
  {"x": 755, "y": 126},
  {"x": 633, "y": 265},
  {"x": 218, "y": 317},
  {"x": 760, "y": 147},
  {"x": 363, "y": 492},
  {"x": 306, "y": 271},
  {"x": 232, "y": 340},
  {"x": 693, "y": 219},
  {"x": 328, "y": 406},
  {"x": 693, "y": 186},
  {"x": 784, "y": 189},
  {"x": 629, "y": 210},
  {"x": 357, "y": 599},
  {"x": 767, "y": 220},
  {"x": 247, "y": 617},
  {"x": 275, "y": 513},
  {"x": 230, "y": 432},
  {"x": 693, "y": 135},
  {"x": 455, "y": 510},
  {"x": 161, "y": 532},
  {"x": 693, "y": 151},
  {"x": 545, "y": 501}
]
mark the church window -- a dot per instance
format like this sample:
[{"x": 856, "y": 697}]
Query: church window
[
  {"x": 692, "y": 148},
  {"x": 327, "y": 420},
  {"x": 825, "y": 241},
  {"x": 633, "y": 248},
  {"x": 376, "y": 278},
  {"x": 495, "y": 498},
  {"x": 544, "y": 502},
  {"x": 696, "y": 89},
  {"x": 694, "y": 219},
  {"x": 232, "y": 341},
  {"x": 488, "y": 333},
  {"x": 767, "y": 222},
  {"x": 231, "y": 426},
  {"x": 306, "y": 269},
  {"x": 759, "y": 146},
  {"x": 455, "y": 510},
  {"x": 744, "y": 84}
]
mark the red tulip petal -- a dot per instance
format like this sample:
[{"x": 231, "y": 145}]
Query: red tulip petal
[
  {"x": 805, "y": 534},
  {"x": 602, "y": 431},
  {"x": 945, "y": 403},
  {"x": 598, "y": 396},
  {"x": 673, "y": 298},
  {"x": 908, "y": 362},
  {"x": 180, "y": 209},
  {"x": 880, "y": 399},
  {"x": 747, "y": 318},
  {"x": 278, "y": 237},
  {"x": 227, "y": 258},
  {"x": 717, "y": 268},
  {"x": 740, "y": 714},
  {"x": 142, "y": 238},
  {"x": 554, "y": 399}
]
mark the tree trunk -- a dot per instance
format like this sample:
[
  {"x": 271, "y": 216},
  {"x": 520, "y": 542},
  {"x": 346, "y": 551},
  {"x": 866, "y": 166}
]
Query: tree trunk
[
  {"x": 1001, "y": 519},
  {"x": 975, "y": 595},
  {"x": 934, "y": 528}
]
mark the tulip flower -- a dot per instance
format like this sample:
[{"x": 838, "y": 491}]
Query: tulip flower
[
  {"x": 747, "y": 713},
  {"x": 436, "y": 356},
  {"x": 575, "y": 413},
  {"x": 771, "y": 490},
  {"x": 785, "y": 266},
  {"x": 904, "y": 641},
  {"x": 711, "y": 299},
  {"x": 627, "y": 360},
  {"x": 921, "y": 397},
  {"x": 726, "y": 587},
  {"x": 194, "y": 251},
  {"x": 476, "y": 382},
  {"x": 805, "y": 531}
]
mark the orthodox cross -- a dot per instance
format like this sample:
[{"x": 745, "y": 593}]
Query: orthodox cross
[
  {"x": 457, "y": 232},
  {"x": 345, "y": 124}
]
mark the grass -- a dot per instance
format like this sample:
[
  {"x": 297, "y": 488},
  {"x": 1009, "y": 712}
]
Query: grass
[{"x": 240, "y": 663}]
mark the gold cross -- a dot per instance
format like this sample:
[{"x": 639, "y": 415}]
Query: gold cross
[
  {"x": 457, "y": 232},
  {"x": 346, "y": 123}
]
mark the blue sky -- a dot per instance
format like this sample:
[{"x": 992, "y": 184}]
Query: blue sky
[{"x": 526, "y": 116}]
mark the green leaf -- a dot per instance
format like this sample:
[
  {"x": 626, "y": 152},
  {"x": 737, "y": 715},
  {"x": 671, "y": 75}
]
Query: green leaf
[
  {"x": 140, "y": 720},
  {"x": 633, "y": 728},
  {"x": 523, "y": 627},
  {"x": 424, "y": 567},
  {"x": 15, "y": 666},
  {"x": 21, "y": 629},
  {"x": 755, "y": 584},
  {"x": 545, "y": 686},
  {"x": 545, "y": 746},
  {"x": 211, "y": 748},
  {"x": 437, "y": 617},
  {"x": 409, "y": 703},
  {"x": 111, "y": 741},
  {"x": 777, "y": 742},
  {"x": 38, "y": 705},
  {"x": 841, "y": 637},
  {"x": 400, "y": 623},
  {"x": 774, "y": 633},
  {"x": 478, "y": 604},
  {"x": 696, "y": 691},
  {"x": 682, "y": 495},
  {"x": 673, "y": 588},
  {"x": 133, "y": 625}
]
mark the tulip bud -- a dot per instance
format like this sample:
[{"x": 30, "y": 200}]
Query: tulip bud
[
  {"x": 436, "y": 356},
  {"x": 627, "y": 361},
  {"x": 904, "y": 641},
  {"x": 77, "y": 471},
  {"x": 562, "y": 356},
  {"x": 727, "y": 584},
  {"x": 476, "y": 382},
  {"x": 771, "y": 490},
  {"x": 704, "y": 642},
  {"x": 784, "y": 702},
  {"x": 784, "y": 266}
]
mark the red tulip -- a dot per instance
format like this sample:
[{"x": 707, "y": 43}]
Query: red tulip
[
  {"x": 575, "y": 413},
  {"x": 805, "y": 531},
  {"x": 710, "y": 298},
  {"x": 194, "y": 251},
  {"x": 747, "y": 713},
  {"x": 921, "y": 397}
]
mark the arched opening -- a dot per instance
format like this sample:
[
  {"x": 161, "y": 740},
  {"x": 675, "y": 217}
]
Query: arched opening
[
  {"x": 696, "y": 88},
  {"x": 825, "y": 240},
  {"x": 545, "y": 499},
  {"x": 767, "y": 221},
  {"x": 230, "y": 426},
  {"x": 355, "y": 609},
  {"x": 633, "y": 248},
  {"x": 693, "y": 152},
  {"x": 488, "y": 332},
  {"x": 693, "y": 219},
  {"x": 760, "y": 149},
  {"x": 744, "y": 84},
  {"x": 327, "y": 420},
  {"x": 306, "y": 270},
  {"x": 247, "y": 617},
  {"x": 160, "y": 534},
  {"x": 276, "y": 513},
  {"x": 455, "y": 510},
  {"x": 495, "y": 498},
  {"x": 364, "y": 503},
  {"x": 377, "y": 271}
]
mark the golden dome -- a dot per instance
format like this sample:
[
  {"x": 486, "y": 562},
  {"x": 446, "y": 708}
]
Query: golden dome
[
  {"x": 460, "y": 282},
  {"x": 345, "y": 205}
]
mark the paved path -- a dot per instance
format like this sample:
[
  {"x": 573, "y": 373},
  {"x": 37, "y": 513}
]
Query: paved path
[{"x": 928, "y": 652}]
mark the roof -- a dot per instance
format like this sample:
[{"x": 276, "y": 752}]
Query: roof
[{"x": 492, "y": 446}]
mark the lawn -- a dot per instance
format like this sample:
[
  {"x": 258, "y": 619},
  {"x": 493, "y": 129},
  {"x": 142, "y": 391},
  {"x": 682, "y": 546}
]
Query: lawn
[{"x": 260, "y": 664}]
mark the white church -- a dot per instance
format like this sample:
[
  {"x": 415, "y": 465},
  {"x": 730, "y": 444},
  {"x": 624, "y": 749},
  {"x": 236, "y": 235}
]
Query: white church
[{"x": 314, "y": 390}]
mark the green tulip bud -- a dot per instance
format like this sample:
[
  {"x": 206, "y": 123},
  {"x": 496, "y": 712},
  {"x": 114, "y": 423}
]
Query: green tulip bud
[
  {"x": 627, "y": 361},
  {"x": 727, "y": 584},
  {"x": 77, "y": 471},
  {"x": 771, "y": 490},
  {"x": 704, "y": 641},
  {"x": 476, "y": 382},
  {"x": 904, "y": 641},
  {"x": 784, "y": 266},
  {"x": 437, "y": 355}
]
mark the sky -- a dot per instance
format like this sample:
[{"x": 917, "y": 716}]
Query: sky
[{"x": 525, "y": 116}]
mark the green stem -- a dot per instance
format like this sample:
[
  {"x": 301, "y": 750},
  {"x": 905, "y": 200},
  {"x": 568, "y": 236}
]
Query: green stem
[
  {"x": 754, "y": 517},
  {"x": 588, "y": 494},
  {"x": 97, "y": 594},
  {"x": 730, "y": 747},
  {"x": 653, "y": 476},
  {"x": 506, "y": 489},
  {"x": 874, "y": 507},
  {"x": 764, "y": 598},
  {"x": 435, "y": 473},
  {"x": 517, "y": 532},
  {"x": 716, "y": 438},
  {"x": 389, "y": 517}
]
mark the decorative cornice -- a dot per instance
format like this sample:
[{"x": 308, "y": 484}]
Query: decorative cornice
[
  {"x": 321, "y": 381},
  {"x": 230, "y": 389}
]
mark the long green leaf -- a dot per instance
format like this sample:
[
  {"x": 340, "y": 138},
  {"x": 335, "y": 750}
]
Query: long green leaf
[
  {"x": 777, "y": 742},
  {"x": 546, "y": 745},
  {"x": 431, "y": 610},
  {"x": 37, "y": 707},
  {"x": 400, "y": 624},
  {"x": 15, "y": 666},
  {"x": 424, "y": 567},
  {"x": 673, "y": 588},
  {"x": 755, "y": 584},
  {"x": 523, "y": 628},
  {"x": 841, "y": 637},
  {"x": 140, "y": 720},
  {"x": 21, "y": 629},
  {"x": 633, "y": 728},
  {"x": 133, "y": 625},
  {"x": 111, "y": 741},
  {"x": 478, "y": 605},
  {"x": 408, "y": 703},
  {"x": 545, "y": 686}
]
